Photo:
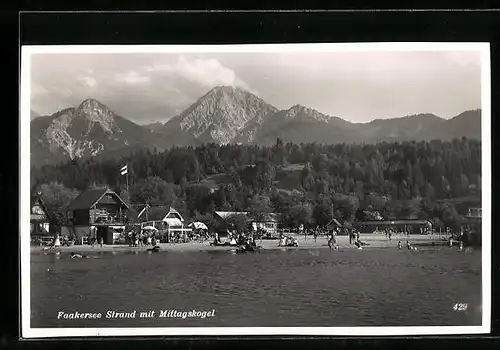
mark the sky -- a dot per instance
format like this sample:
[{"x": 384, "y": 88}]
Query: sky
[{"x": 356, "y": 86}]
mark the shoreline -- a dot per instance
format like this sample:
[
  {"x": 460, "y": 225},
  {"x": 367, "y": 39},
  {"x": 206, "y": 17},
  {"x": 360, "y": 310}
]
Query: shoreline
[{"x": 371, "y": 240}]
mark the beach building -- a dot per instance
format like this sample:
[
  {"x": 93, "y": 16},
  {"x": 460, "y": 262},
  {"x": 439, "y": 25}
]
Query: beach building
[
  {"x": 269, "y": 224},
  {"x": 164, "y": 218},
  {"x": 39, "y": 217},
  {"x": 471, "y": 226},
  {"x": 334, "y": 224},
  {"x": 408, "y": 226},
  {"x": 100, "y": 213}
]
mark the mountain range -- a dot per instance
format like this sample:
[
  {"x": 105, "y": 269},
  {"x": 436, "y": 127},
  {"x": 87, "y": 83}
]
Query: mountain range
[{"x": 225, "y": 115}]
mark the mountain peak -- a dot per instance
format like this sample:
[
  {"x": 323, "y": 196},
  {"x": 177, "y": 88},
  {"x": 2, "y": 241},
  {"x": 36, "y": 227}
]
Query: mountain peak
[
  {"x": 91, "y": 103},
  {"x": 222, "y": 112},
  {"x": 300, "y": 112},
  {"x": 94, "y": 112}
]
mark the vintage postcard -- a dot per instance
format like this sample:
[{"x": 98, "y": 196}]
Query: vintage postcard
[{"x": 305, "y": 189}]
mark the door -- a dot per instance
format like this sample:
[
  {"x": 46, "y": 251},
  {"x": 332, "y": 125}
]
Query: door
[
  {"x": 108, "y": 238},
  {"x": 102, "y": 233}
]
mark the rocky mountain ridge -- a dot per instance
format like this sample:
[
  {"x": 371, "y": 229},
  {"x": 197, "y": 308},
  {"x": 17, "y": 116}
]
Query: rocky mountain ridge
[{"x": 226, "y": 115}]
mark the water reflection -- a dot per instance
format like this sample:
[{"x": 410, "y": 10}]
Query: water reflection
[{"x": 273, "y": 288}]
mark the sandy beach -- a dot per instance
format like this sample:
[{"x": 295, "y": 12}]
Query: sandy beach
[{"x": 371, "y": 240}]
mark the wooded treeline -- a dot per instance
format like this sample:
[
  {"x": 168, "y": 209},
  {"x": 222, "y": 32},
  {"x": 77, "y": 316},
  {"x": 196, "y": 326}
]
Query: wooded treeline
[{"x": 306, "y": 183}]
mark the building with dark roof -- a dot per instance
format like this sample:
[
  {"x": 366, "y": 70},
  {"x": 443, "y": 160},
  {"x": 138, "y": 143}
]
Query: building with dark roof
[
  {"x": 40, "y": 217},
  {"x": 269, "y": 224},
  {"x": 97, "y": 213},
  {"x": 410, "y": 225},
  {"x": 471, "y": 226}
]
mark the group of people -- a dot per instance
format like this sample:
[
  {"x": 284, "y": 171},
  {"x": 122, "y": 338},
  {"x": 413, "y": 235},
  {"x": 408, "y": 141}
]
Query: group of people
[
  {"x": 230, "y": 239},
  {"x": 287, "y": 241},
  {"x": 408, "y": 246},
  {"x": 142, "y": 239}
]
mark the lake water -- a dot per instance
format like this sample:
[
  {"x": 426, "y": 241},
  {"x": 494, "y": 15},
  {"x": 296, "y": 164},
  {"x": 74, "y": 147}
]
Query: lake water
[{"x": 370, "y": 287}]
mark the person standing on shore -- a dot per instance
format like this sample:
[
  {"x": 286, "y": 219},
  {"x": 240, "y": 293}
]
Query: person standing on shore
[{"x": 101, "y": 241}]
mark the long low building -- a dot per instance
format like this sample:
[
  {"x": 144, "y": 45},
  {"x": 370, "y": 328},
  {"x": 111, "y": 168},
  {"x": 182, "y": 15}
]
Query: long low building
[
  {"x": 269, "y": 224},
  {"x": 398, "y": 224}
]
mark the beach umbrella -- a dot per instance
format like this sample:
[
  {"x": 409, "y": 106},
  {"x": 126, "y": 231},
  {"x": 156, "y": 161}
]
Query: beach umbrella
[{"x": 198, "y": 225}]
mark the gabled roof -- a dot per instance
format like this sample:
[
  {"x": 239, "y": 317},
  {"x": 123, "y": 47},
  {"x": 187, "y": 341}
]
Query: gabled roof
[
  {"x": 89, "y": 198},
  {"x": 153, "y": 213},
  {"x": 334, "y": 221},
  {"x": 173, "y": 211},
  {"x": 226, "y": 214},
  {"x": 157, "y": 213},
  {"x": 38, "y": 198}
]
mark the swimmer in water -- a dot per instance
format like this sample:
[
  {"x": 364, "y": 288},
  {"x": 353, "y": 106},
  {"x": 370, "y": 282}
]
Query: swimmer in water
[
  {"x": 400, "y": 245},
  {"x": 461, "y": 245},
  {"x": 408, "y": 245},
  {"x": 155, "y": 249}
]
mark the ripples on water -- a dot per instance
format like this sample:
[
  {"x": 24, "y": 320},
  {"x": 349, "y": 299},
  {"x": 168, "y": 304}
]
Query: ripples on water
[{"x": 372, "y": 287}]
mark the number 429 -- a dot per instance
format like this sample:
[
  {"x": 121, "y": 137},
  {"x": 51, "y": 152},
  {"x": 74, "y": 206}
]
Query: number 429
[{"x": 460, "y": 307}]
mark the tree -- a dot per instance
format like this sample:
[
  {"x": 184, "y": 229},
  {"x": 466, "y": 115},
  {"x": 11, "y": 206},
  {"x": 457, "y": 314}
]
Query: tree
[
  {"x": 259, "y": 207},
  {"x": 153, "y": 190},
  {"x": 197, "y": 197},
  {"x": 299, "y": 214},
  {"x": 322, "y": 214},
  {"x": 56, "y": 198},
  {"x": 239, "y": 222}
]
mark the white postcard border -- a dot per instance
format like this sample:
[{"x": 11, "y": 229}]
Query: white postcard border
[{"x": 25, "y": 311}]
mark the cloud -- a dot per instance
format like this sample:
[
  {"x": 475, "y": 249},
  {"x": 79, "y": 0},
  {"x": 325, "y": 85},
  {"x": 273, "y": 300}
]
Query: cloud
[
  {"x": 133, "y": 78},
  {"x": 87, "y": 81},
  {"x": 204, "y": 72},
  {"x": 355, "y": 86}
]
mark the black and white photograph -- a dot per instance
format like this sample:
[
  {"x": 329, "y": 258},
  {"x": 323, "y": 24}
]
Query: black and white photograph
[{"x": 286, "y": 189}]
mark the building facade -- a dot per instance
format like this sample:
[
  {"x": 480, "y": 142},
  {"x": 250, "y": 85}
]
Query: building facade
[
  {"x": 39, "y": 218},
  {"x": 97, "y": 214},
  {"x": 167, "y": 220},
  {"x": 269, "y": 224},
  {"x": 471, "y": 226}
]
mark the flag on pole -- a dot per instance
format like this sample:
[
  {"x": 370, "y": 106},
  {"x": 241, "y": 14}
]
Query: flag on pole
[{"x": 124, "y": 170}]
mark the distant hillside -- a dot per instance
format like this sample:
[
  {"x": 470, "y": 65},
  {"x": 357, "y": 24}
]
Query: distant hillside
[
  {"x": 154, "y": 126},
  {"x": 225, "y": 115}
]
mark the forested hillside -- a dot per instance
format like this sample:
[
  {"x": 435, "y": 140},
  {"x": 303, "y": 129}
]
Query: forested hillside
[{"x": 304, "y": 182}]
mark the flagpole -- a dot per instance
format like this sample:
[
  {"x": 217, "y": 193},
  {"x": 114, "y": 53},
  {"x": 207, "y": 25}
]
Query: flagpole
[{"x": 128, "y": 193}]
